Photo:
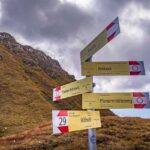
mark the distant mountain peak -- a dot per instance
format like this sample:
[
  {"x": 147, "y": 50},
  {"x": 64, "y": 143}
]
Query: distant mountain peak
[
  {"x": 6, "y": 37},
  {"x": 33, "y": 57}
]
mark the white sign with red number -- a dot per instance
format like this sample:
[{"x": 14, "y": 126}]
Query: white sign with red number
[{"x": 67, "y": 121}]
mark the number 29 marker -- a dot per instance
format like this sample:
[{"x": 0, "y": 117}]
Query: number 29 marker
[{"x": 67, "y": 121}]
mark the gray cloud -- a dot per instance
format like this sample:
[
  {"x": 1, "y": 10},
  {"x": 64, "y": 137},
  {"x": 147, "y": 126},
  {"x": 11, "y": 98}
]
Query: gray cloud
[
  {"x": 146, "y": 25},
  {"x": 43, "y": 19},
  {"x": 70, "y": 28}
]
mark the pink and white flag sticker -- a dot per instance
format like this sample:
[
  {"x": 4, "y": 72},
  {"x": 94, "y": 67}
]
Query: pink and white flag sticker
[
  {"x": 141, "y": 100},
  {"x": 136, "y": 68},
  {"x": 57, "y": 93},
  {"x": 113, "y": 29},
  {"x": 60, "y": 121}
]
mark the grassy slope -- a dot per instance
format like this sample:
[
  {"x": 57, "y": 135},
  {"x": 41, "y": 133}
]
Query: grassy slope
[
  {"x": 116, "y": 134},
  {"x": 26, "y": 94},
  {"x": 25, "y": 97},
  {"x": 22, "y": 102}
]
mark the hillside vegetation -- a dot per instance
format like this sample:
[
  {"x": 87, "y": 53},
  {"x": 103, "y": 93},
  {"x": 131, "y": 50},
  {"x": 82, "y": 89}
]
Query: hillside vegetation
[
  {"x": 116, "y": 134},
  {"x": 27, "y": 78}
]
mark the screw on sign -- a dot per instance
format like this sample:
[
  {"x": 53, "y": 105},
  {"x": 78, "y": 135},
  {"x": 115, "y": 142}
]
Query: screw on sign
[
  {"x": 134, "y": 68},
  {"x": 140, "y": 100}
]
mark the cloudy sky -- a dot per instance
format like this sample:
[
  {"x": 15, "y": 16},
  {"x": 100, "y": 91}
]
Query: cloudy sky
[{"x": 62, "y": 28}]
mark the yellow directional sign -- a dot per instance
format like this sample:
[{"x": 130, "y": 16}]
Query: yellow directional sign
[
  {"x": 113, "y": 68},
  {"x": 72, "y": 89},
  {"x": 115, "y": 100},
  {"x": 102, "y": 39},
  {"x": 67, "y": 121}
]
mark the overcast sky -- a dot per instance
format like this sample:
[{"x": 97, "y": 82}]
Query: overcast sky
[{"x": 62, "y": 28}]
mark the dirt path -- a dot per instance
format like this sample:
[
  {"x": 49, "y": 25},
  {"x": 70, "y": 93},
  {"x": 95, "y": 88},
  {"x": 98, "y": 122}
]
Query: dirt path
[{"x": 117, "y": 133}]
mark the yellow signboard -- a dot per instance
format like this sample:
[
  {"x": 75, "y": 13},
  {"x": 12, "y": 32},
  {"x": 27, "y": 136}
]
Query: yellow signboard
[
  {"x": 67, "y": 121},
  {"x": 102, "y": 39},
  {"x": 115, "y": 100},
  {"x": 72, "y": 89},
  {"x": 113, "y": 68}
]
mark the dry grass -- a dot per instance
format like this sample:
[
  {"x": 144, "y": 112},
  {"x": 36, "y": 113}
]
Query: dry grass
[
  {"x": 26, "y": 93},
  {"x": 26, "y": 102},
  {"x": 116, "y": 134}
]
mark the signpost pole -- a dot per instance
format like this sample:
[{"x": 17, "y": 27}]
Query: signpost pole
[{"x": 91, "y": 132}]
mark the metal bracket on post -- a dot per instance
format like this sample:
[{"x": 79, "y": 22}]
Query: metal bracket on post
[{"x": 91, "y": 132}]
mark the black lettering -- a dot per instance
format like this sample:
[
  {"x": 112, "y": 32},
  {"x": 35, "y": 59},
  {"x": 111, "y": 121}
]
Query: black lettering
[{"x": 62, "y": 121}]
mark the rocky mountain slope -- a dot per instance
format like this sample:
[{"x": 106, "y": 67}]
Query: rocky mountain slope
[{"x": 27, "y": 77}]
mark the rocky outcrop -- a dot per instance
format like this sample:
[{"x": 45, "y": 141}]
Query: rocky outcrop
[{"x": 34, "y": 57}]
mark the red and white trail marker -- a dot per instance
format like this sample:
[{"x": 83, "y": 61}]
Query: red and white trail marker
[
  {"x": 60, "y": 121},
  {"x": 141, "y": 100},
  {"x": 113, "y": 29},
  {"x": 136, "y": 68},
  {"x": 57, "y": 93}
]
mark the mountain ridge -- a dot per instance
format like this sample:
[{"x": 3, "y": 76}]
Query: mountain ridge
[{"x": 27, "y": 79}]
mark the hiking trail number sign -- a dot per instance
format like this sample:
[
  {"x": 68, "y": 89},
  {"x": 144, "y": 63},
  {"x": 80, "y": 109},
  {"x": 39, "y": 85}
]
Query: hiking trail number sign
[{"x": 67, "y": 121}]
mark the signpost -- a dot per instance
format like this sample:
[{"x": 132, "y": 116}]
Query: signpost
[
  {"x": 111, "y": 31},
  {"x": 115, "y": 100},
  {"x": 72, "y": 89},
  {"x": 67, "y": 121},
  {"x": 91, "y": 132},
  {"x": 113, "y": 68},
  {"x": 86, "y": 54}
]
